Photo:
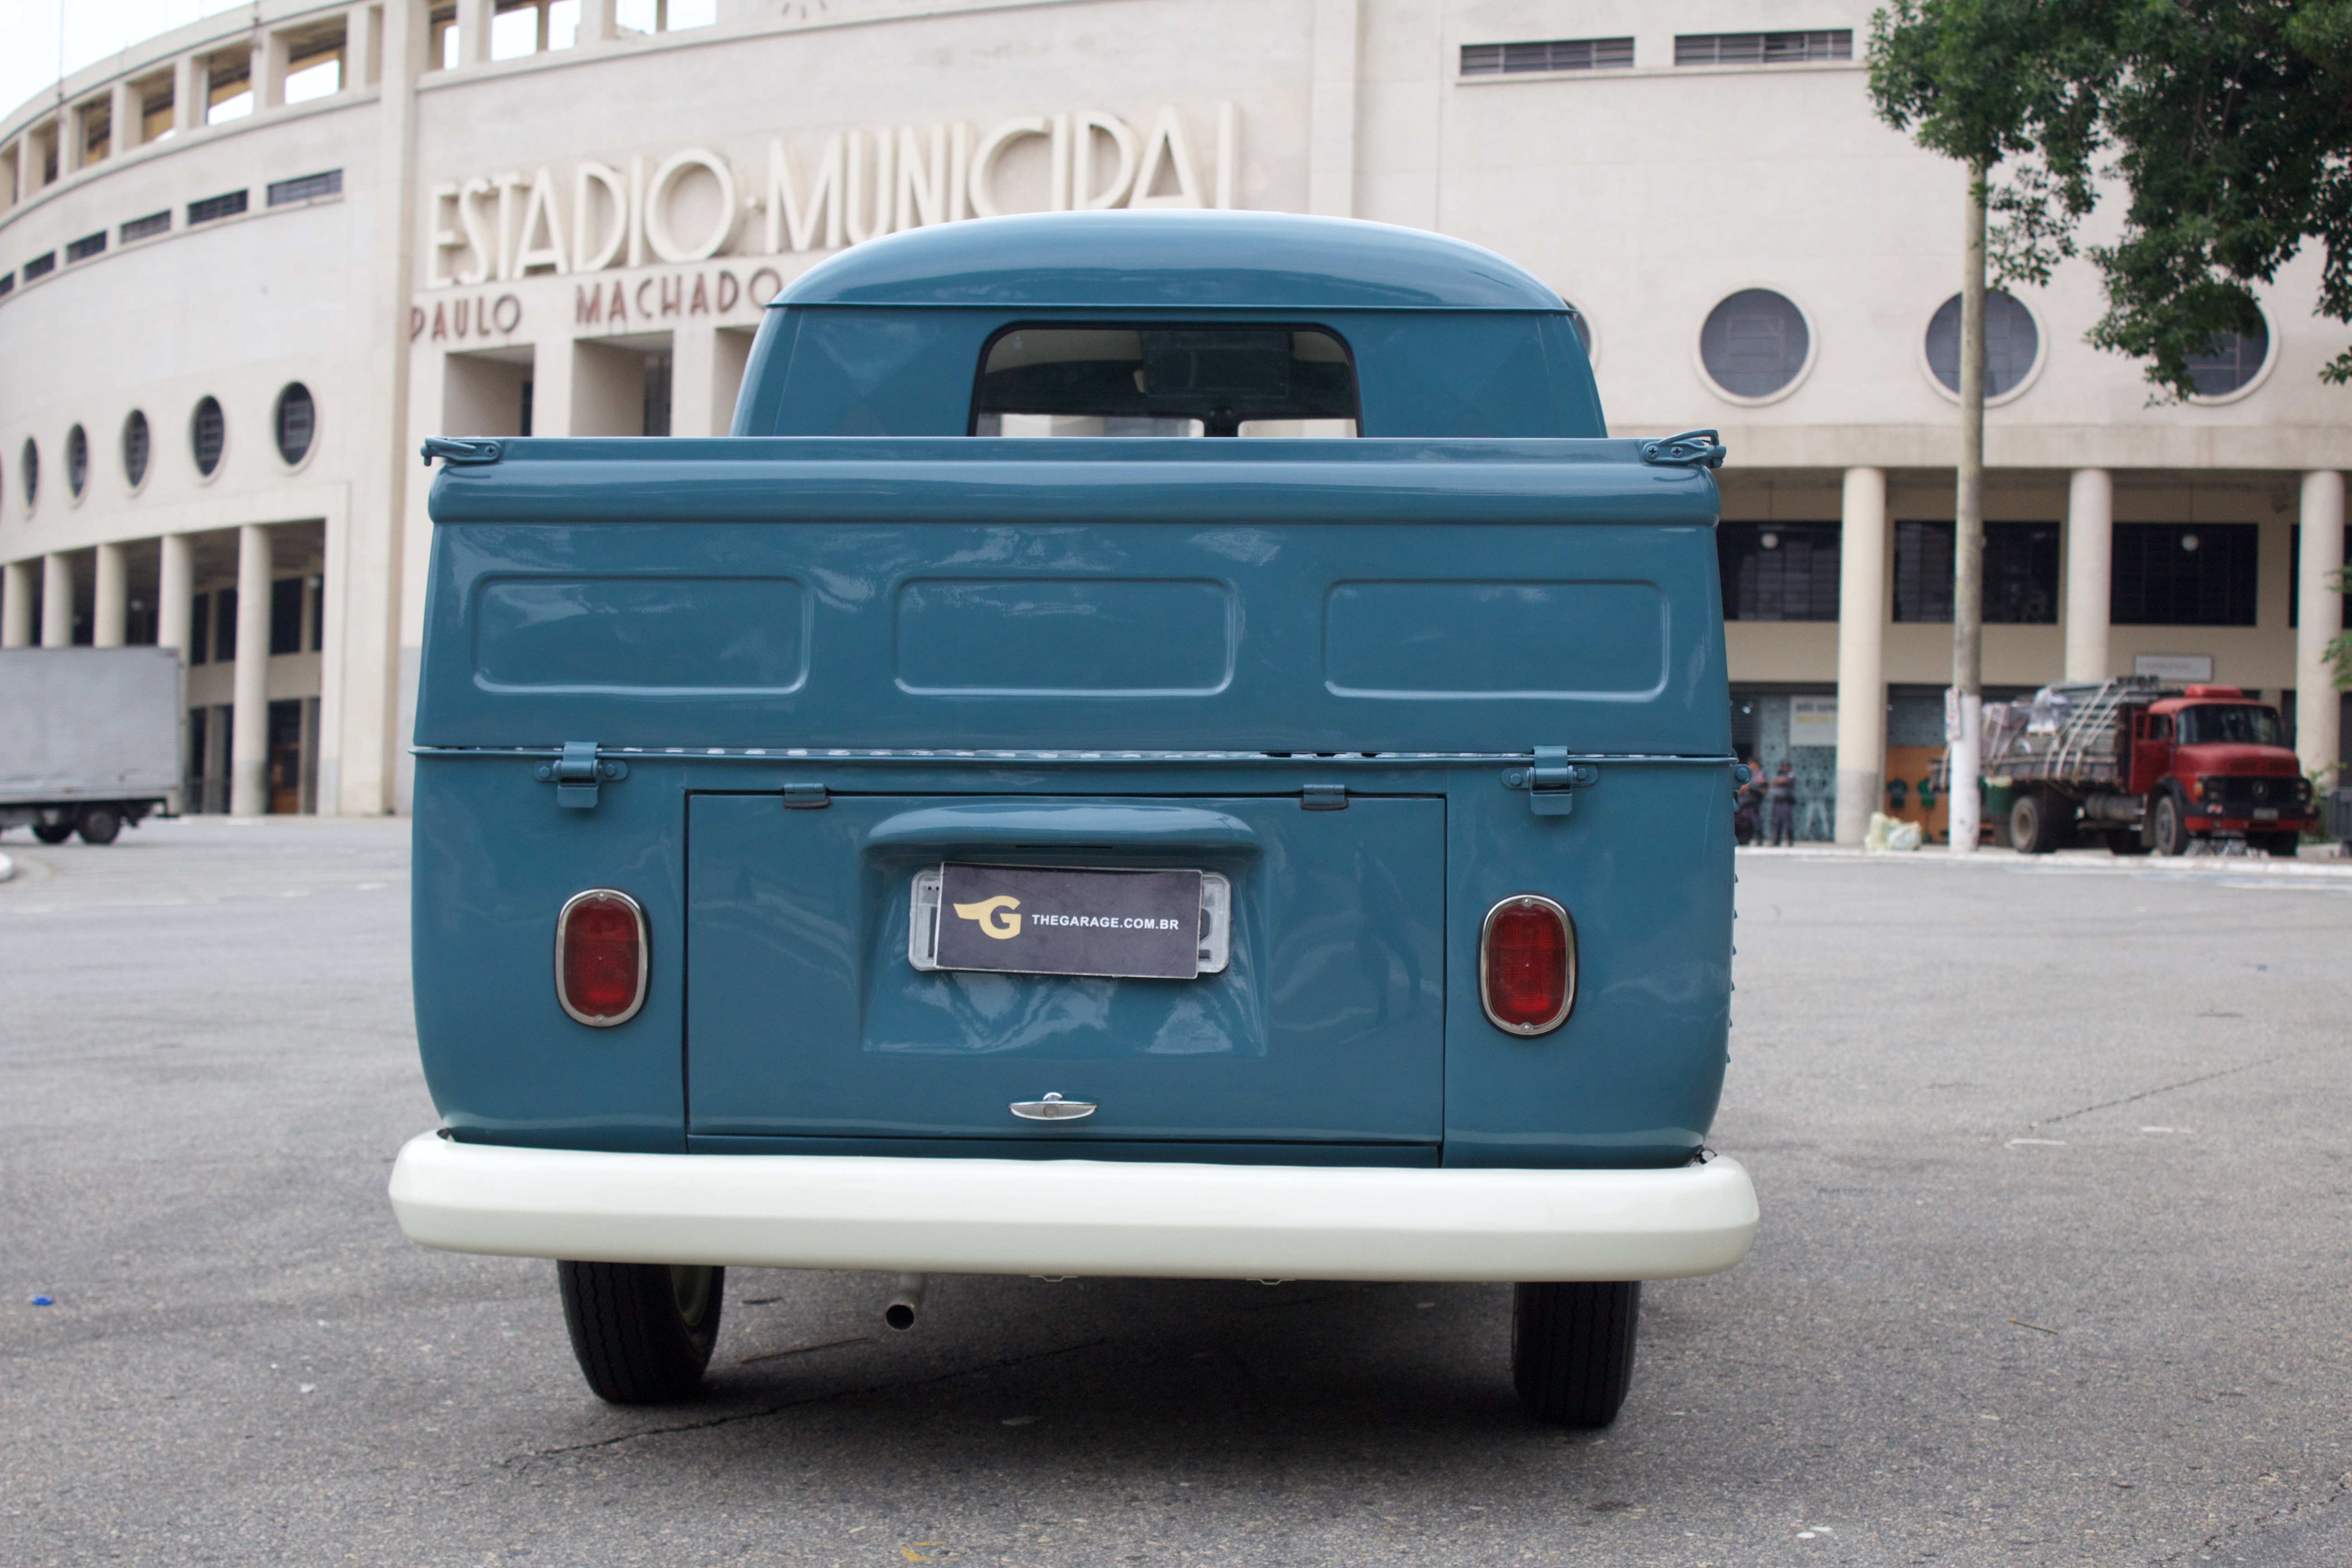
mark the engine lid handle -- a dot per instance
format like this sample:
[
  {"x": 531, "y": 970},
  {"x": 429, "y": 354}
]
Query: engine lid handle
[{"x": 1053, "y": 1107}]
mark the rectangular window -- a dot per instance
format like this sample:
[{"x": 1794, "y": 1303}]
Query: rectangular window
[
  {"x": 1778, "y": 571},
  {"x": 228, "y": 89},
  {"x": 157, "y": 118},
  {"x": 200, "y": 634},
  {"x": 224, "y": 632},
  {"x": 1138, "y": 380},
  {"x": 2294, "y": 570},
  {"x": 2020, "y": 573},
  {"x": 88, "y": 245},
  {"x": 215, "y": 208},
  {"x": 8, "y": 284},
  {"x": 657, "y": 369},
  {"x": 147, "y": 227},
  {"x": 41, "y": 266},
  {"x": 2183, "y": 574},
  {"x": 1790, "y": 48},
  {"x": 286, "y": 616},
  {"x": 306, "y": 188},
  {"x": 1549, "y": 55}
]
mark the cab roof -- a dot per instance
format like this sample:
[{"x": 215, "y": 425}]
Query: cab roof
[{"x": 1172, "y": 260}]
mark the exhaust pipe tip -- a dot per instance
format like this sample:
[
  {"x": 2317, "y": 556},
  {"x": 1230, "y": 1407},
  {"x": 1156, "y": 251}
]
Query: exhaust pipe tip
[{"x": 905, "y": 1303}]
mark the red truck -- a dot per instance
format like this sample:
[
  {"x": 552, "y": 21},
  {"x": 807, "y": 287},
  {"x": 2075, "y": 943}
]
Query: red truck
[{"x": 2146, "y": 767}]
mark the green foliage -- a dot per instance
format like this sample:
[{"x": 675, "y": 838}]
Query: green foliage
[
  {"x": 2339, "y": 649},
  {"x": 1983, "y": 81},
  {"x": 2230, "y": 126}
]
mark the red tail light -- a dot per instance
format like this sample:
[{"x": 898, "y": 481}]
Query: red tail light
[
  {"x": 600, "y": 957},
  {"x": 1527, "y": 965}
]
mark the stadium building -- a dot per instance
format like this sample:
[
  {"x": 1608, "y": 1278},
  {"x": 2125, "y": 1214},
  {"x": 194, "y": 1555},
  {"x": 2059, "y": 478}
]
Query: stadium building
[{"x": 248, "y": 265}]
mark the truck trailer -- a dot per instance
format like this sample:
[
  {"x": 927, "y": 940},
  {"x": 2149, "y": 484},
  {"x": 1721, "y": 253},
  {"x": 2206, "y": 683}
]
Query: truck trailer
[{"x": 89, "y": 739}]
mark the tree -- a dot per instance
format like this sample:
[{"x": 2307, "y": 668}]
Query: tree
[
  {"x": 2230, "y": 123},
  {"x": 1983, "y": 82}
]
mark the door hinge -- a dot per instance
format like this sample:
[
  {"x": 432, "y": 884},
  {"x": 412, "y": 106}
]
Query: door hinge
[
  {"x": 450, "y": 449},
  {"x": 576, "y": 773},
  {"x": 806, "y": 797},
  {"x": 1692, "y": 448},
  {"x": 1323, "y": 797},
  {"x": 1552, "y": 783}
]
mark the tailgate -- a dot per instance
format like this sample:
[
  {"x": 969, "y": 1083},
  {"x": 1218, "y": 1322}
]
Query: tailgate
[{"x": 807, "y": 1016}]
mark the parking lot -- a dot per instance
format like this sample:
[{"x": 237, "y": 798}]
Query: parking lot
[{"x": 2055, "y": 1159}]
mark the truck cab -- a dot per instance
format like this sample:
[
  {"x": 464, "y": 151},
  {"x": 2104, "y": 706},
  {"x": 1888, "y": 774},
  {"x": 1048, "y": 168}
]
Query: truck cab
[
  {"x": 1284, "y": 834},
  {"x": 2214, "y": 763}
]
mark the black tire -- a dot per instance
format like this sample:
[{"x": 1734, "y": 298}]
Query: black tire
[
  {"x": 1572, "y": 1349},
  {"x": 2125, "y": 841},
  {"x": 53, "y": 832},
  {"x": 2279, "y": 845},
  {"x": 99, "y": 825},
  {"x": 642, "y": 1332},
  {"x": 2170, "y": 828},
  {"x": 2031, "y": 830}
]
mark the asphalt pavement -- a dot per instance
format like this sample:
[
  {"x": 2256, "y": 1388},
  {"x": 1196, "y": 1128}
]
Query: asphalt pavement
[{"x": 2055, "y": 1159}]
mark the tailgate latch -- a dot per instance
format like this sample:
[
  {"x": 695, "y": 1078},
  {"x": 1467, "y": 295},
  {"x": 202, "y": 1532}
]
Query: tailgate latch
[
  {"x": 1552, "y": 783},
  {"x": 806, "y": 797},
  {"x": 1323, "y": 797},
  {"x": 576, "y": 773}
]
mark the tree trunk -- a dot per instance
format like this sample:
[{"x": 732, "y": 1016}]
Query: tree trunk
[{"x": 1968, "y": 539}]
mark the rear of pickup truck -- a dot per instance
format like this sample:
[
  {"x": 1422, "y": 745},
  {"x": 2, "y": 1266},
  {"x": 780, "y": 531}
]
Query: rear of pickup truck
[{"x": 1138, "y": 855}]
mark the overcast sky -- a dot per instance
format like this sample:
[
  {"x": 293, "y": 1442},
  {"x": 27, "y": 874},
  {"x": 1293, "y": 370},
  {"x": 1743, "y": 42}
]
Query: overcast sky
[{"x": 91, "y": 29}]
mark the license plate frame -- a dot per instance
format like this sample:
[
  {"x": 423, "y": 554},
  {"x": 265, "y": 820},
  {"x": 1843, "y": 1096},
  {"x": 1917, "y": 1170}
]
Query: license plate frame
[{"x": 926, "y": 906}]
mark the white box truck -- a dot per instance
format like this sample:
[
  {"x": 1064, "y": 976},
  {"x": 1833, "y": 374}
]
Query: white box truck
[{"x": 89, "y": 739}]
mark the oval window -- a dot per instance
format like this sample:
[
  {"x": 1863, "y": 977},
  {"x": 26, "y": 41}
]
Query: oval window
[
  {"x": 1755, "y": 343},
  {"x": 2013, "y": 343},
  {"x": 297, "y": 422},
  {"x": 207, "y": 434},
  {"x": 30, "y": 467},
  {"x": 2231, "y": 363},
  {"x": 135, "y": 443},
  {"x": 77, "y": 459}
]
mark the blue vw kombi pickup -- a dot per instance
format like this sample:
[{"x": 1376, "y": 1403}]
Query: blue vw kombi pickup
[{"x": 876, "y": 840}]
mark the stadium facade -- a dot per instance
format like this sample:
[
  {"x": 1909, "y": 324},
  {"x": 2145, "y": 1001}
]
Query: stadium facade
[{"x": 250, "y": 264}]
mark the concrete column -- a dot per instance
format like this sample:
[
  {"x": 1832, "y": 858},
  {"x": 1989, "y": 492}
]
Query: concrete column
[
  {"x": 693, "y": 382},
  {"x": 127, "y": 118},
  {"x": 271, "y": 60},
  {"x": 1861, "y": 651},
  {"x": 366, "y": 551},
  {"x": 2320, "y": 617},
  {"x": 175, "y": 591},
  {"x": 110, "y": 603},
  {"x": 599, "y": 21},
  {"x": 16, "y": 605},
  {"x": 191, "y": 81},
  {"x": 2090, "y": 556},
  {"x": 363, "y": 47},
  {"x": 248, "y": 761},
  {"x": 56, "y": 601},
  {"x": 472, "y": 31}
]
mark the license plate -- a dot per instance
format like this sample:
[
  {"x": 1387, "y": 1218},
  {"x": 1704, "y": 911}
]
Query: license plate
[
  {"x": 1038, "y": 920},
  {"x": 2266, "y": 814}
]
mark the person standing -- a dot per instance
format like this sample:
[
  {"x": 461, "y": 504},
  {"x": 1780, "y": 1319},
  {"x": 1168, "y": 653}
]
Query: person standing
[{"x": 1780, "y": 799}]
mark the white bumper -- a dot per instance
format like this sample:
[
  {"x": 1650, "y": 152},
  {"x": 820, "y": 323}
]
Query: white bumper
[{"x": 1075, "y": 1216}]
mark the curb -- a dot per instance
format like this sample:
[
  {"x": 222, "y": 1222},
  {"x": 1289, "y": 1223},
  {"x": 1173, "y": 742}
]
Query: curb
[{"x": 2090, "y": 861}]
